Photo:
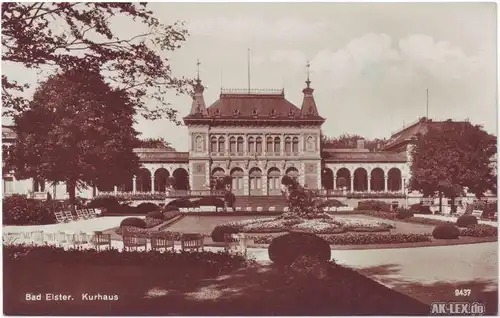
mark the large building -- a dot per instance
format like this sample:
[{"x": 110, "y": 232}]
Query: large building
[{"x": 256, "y": 137}]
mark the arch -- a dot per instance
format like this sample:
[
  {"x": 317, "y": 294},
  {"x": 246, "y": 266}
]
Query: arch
[
  {"x": 218, "y": 172},
  {"x": 292, "y": 172},
  {"x": 274, "y": 181},
  {"x": 327, "y": 179},
  {"x": 251, "y": 144},
  {"x": 213, "y": 144},
  {"x": 288, "y": 144},
  {"x": 198, "y": 143},
  {"x": 143, "y": 180},
  {"x": 222, "y": 146},
  {"x": 295, "y": 144},
  {"x": 237, "y": 179},
  {"x": 161, "y": 176},
  {"x": 216, "y": 177},
  {"x": 269, "y": 145},
  {"x": 360, "y": 179},
  {"x": 394, "y": 180},
  {"x": 344, "y": 178},
  {"x": 232, "y": 144},
  {"x": 310, "y": 144},
  {"x": 277, "y": 145},
  {"x": 239, "y": 145},
  {"x": 377, "y": 182},
  {"x": 258, "y": 145},
  {"x": 181, "y": 177},
  {"x": 255, "y": 181}
]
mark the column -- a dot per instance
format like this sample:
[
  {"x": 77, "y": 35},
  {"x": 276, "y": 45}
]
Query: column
[
  {"x": 282, "y": 145},
  {"x": 385, "y": 184},
  {"x": 226, "y": 141},
  {"x": 264, "y": 184},
  {"x": 369, "y": 183},
  {"x": 334, "y": 182},
  {"x": 245, "y": 144},
  {"x": 403, "y": 187},
  {"x": 116, "y": 189},
  {"x": 134, "y": 184},
  {"x": 352, "y": 183},
  {"x": 246, "y": 190},
  {"x": 152, "y": 183}
]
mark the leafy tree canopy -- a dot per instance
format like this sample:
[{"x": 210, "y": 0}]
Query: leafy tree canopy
[
  {"x": 349, "y": 141},
  {"x": 451, "y": 157},
  {"x": 155, "y": 143},
  {"x": 77, "y": 130},
  {"x": 62, "y": 36}
]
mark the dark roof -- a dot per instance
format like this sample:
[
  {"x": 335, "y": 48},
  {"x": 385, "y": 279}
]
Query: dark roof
[
  {"x": 160, "y": 155},
  {"x": 254, "y": 104},
  {"x": 384, "y": 156},
  {"x": 420, "y": 127}
]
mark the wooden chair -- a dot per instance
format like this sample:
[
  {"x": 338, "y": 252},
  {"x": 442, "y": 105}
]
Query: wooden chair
[
  {"x": 248, "y": 209},
  {"x": 132, "y": 242},
  {"x": 236, "y": 244},
  {"x": 61, "y": 217},
  {"x": 100, "y": 239},
  {"x": 69, "y": 215},
  {"x": 11, "y": 238},
  {"x": 37, "y": 237},
  {"x": 50, "y": 238},
  {"x": 191, "y": 242},
  {"x": 259, "y": 209},
  {"x": 159, "y": 242},
  {"x": 92, "y": 213},
  {"x": 83, "y": 238}
]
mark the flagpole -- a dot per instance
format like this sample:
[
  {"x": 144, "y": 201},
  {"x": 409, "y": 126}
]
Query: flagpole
[{"x": 248, "y": 61}]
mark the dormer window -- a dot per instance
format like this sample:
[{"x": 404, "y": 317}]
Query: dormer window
[
  {"x": 273, "y": 112},
  {"x": 217, "y": 112},
  {"x": 254, "y": 112},
  {"x": 291, "y": 113},
  {"x": 236, "y": 112}
]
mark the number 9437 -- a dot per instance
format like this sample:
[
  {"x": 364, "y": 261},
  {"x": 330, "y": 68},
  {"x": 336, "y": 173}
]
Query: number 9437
[{"x": 462, "y": 292}]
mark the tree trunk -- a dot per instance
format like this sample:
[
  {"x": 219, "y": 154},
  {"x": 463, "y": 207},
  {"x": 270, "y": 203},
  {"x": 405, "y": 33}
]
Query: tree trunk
[
  {"x": 72, "y": 191},
  {"x": 453, "y": 208},
  {"x": 440, "y": 202}
]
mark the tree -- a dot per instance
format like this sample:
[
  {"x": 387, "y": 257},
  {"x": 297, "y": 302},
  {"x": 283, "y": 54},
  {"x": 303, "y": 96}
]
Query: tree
[
  {"x": 77, "y": 130},
  {"x": 155, "y": 143},
  {"x": 447, "y": 159},
  {"x": 80, "y": 35},
  {"x": 348, "y": 141}
]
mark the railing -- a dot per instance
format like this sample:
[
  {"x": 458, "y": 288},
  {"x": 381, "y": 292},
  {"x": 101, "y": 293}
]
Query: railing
[
  {"x": 161, "y": 195},
  {"x": 254, "y": 91}
]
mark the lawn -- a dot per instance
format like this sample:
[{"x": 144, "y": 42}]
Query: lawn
[
  {"x": 205, "y": 224},
  {"x": 257, "y": 290}
]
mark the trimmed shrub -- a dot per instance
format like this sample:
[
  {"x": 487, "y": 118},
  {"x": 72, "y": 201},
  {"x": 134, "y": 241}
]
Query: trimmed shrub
[
  {"x": 155, "y": 215},
  {"x": 447, "y": 232},
  {"x": 374, "y": 205},
  {"x": 19, "y": 210},
  {"x": 135, "y": 222},
  {"x": 147, "y": 207},
  {"x": 361, "y": 239},
  {"x": 309, "y": 267},
  {"x": 151, "y": 222},
  {"x": 168, "y": 215},
  {"x": 466, "y": 220},
  {"x": 479, "y": 230},
  {"x": 419, "y": 208},
  {"x": 404, "y": 214},
  {"x": 285, "y": 249},
  {"x": 209, "y": 201},
  {"x": 332, "y": 203},
  {"x": 219, "y": 231},
  {"x": 180, "y": 203},
  {"x": 103, "y": 202}
]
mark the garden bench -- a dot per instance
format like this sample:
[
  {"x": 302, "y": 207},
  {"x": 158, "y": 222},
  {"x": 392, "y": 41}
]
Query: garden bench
[
  {"x": 37, "y": 237},
  {"x": 100, "y": 239},
  {"x": 192, "y": 242},
  {"x": 235, "y": 243},
  {"x": 248, "y": 209},
  {"x": 477, "y": 213},
  {"x": 159, "y": 242},
  {"x": 238, "y": 208},
  {"x": 132, "y": 242},
  {"x": 259, "y": 209},
  {"x": 272, "y": 209},
  {"x": 50, "y": 238},
  {"x": 11, "y": 238},
  {"x": 82, "y": 238}
]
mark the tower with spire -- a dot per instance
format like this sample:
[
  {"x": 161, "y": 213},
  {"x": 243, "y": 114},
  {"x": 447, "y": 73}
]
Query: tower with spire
[
  {"x": 198, "y": 106},
  {"x": 308, "y": 108}
]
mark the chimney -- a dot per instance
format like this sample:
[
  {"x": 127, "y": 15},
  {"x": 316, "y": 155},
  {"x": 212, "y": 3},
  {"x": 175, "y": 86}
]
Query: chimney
[{"x": 360, "y": 144}]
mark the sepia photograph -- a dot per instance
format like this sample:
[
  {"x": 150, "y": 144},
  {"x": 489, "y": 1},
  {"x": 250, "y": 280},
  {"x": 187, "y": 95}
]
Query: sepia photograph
[{"x": 249, "y": 158}]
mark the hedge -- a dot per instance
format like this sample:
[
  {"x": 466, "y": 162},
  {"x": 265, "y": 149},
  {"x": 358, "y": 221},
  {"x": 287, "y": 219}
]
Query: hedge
[
  {"x": 361, "y": 239},
  {"x": 19, "y": 210},
  {"x": 466, "y": 220},
  {"x": 147, "y": 207},
  {"x": 373, "y": 205},
  {"x": 135, "y": 222},
  {"x": 446, "y": 232},
  {"x": 220, "y": 230},
  {"x": 285, "y": 249},
  {"x": 479, "y": 230}
]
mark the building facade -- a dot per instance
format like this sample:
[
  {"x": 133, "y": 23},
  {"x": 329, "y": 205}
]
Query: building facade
[{"x": 256, "y": 137}]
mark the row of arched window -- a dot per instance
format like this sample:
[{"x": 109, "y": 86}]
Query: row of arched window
[{"x": 255, "y": 144}]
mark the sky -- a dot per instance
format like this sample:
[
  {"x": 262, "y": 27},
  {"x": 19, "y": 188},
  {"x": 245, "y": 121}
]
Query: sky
[{"x": 371, "y": 63}]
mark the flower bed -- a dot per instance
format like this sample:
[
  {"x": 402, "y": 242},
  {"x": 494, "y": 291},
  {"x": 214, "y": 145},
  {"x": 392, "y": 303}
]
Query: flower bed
[
  {"x": 393, "y": 216},
  {"x": 148, "y": 232},
  {"x": 361, "y": 239},
  {"x": 479, "y": 230}
]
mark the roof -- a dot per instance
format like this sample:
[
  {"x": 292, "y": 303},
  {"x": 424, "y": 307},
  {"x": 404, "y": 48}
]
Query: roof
[
  {"x": 254, "y": 104},
  {"x": 420, "y": 127},
  {"x": 8, "y": 132},
  {"x": 382, "y": 156},
  {"x": 160, "y": 155}
]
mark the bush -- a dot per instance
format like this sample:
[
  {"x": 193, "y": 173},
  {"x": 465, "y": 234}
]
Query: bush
[
  {"x": 285, "y": 249},
  {"x": 151, "y": 222},
  {"x": 466, "y": 220},
  {"x": 332, "y": 203},
  {"x": 155, "y": 215},
  {"x": 309, "y": 267},
  {"x": 419, "y": 208},
  {"x": 168, "y": 215},
  {"x": 446, "y": 232},
  {"x": 404, "y": 214},
  {"x": 135, "y": 222},
  {"x": 374, "y": 205},
  {"x": 103, "y": 202},
  {"x": 180, "y": 203},
  {"x": 479, "y": 230},
  {"x": 209, "y": 201},
  {"x": 147, "y": 207},
  {"x": 219, "y": 231},
  {"x": 19, "y": 210}
]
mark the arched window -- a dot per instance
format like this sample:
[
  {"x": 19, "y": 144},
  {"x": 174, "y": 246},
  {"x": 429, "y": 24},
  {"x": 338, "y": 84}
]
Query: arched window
[
  {"x": 239, "y": 147},
  {"x": 277, "y": 145},
  {"x": 251, "y": 144},
  {"x": 232, "y": 144},
  {"x": 258, "y": 145},
  {"x": 222, "y": 146},
  {"x": 295, "y": 145},
  {"x": 269, "y": 145},
  {"x": 288, "y": 144},
  {"x": 213, "y": 144},
  {"x": 198, "y": 144},
  {"x": 310, "y": 143}
]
